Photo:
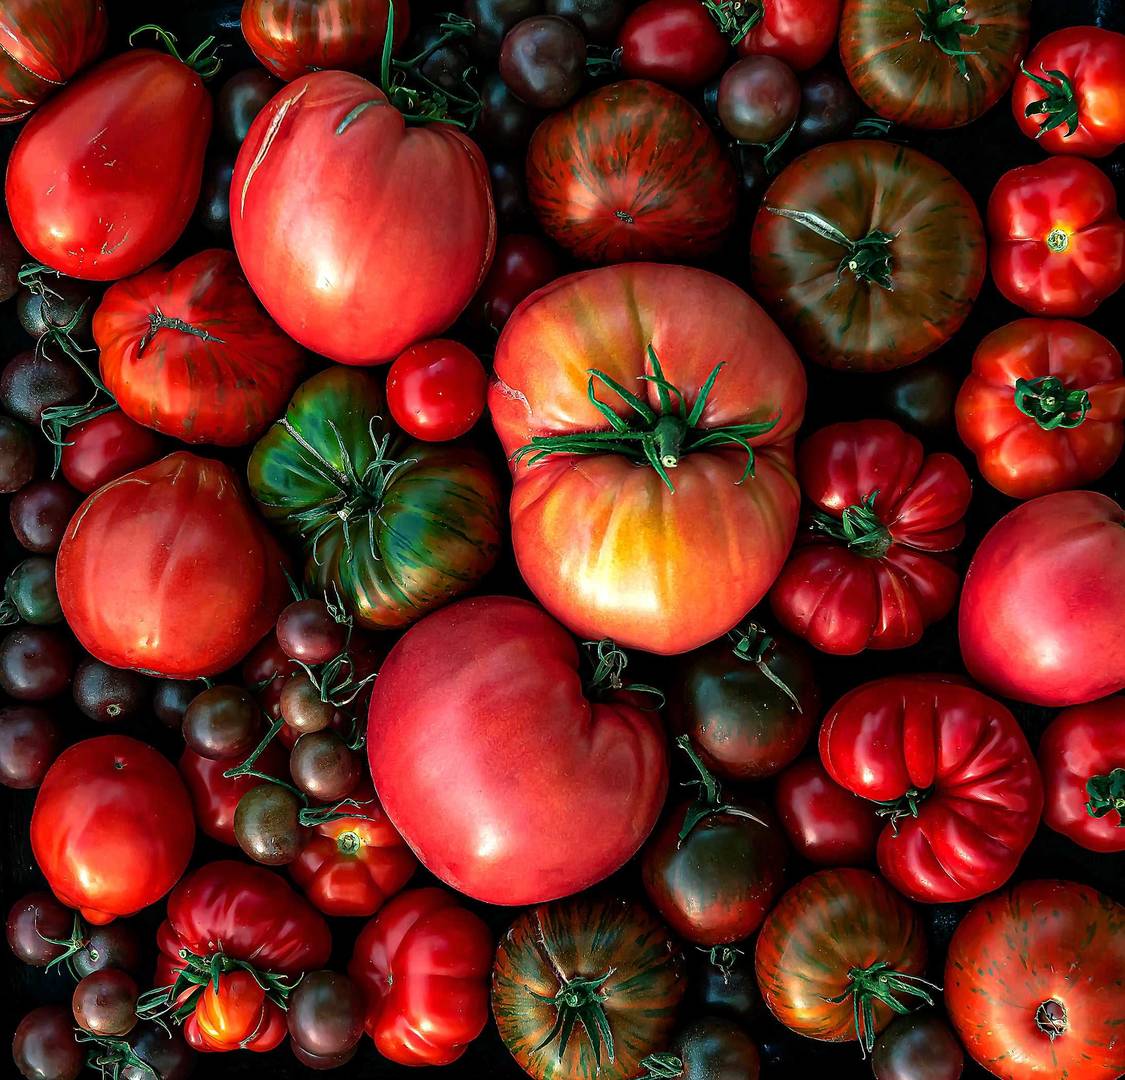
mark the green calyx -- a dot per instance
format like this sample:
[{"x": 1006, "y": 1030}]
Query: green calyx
[
  {"x": 859, "y": 527},
  {"x": 204, "y": 59},
  {"x": 944, "y": 23},
  {"x": 1050, "y": 404},
  {"x": 610, "y": 662},
  {"x": 1058, "y": 107},
  {"x": 905, "y": 806},
  {"x": 662, "y": 1067},
  {"x": 754, "y": 645},
  {"x": 1051, "y": 1018},
  {"x": 71, "y": 946},
  {"x": 158, "y": 321},
  {"x": 580, "y": 1002},
  {"x": 880, "y": 982},
  {"x": 709, "y": 796},
  {"x": 1107, "y": 796},
  {"x": 734, "y": 18},
  {"x": 869, "y": 258},
  {"x": 111, "y": 1056}
]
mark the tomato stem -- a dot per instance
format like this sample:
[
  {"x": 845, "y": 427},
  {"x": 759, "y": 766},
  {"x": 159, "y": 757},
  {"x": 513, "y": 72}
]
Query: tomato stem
[
  {"x": 906, "y": 805},
  {"x": 661, "y": 1067},
  {"x": 879, "y": 982},
  {"x": 734, "y": 18},
  {"x": 868, "y": 258},
  {"x": 1051, "y": 1018},
  {"x": 858, "y": 526},
  {"x": 754, "y": 645},
  {"x": 610, "y": 662},
  {"x": 709, "y": 800},
  {"x": 944, "y": 23},
  {"x": 1050, "y": 404},
  {"x": 1058, "y": 107},
  {"x": 1107, "y": 795},
  {"x": 71, "y": 946},
  {"x": 203, "y": 60},
  {"x": 579, "y": 1001},
  {"x": 158, "y": 321}
]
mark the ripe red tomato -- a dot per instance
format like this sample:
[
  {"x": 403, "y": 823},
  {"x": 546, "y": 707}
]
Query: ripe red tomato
[
  {"x": 168, "y": 571},
  {"x": 215, "y": 798},
  {"x": 112, "y": 828},
  {"x": 326, "y": 153},
  {"x": 546, "y": 793},
  {"x": 1040, "y": 617},
  {"x": 234, "y": 1012},
  {"x": 523, "y": 264},
  {"x": 1057, "y": 241},
  {"x": 436, "y": 390},
  {"x": 800, "y": 32},
  {"x": 105, "y": 448},
  {"x": 675, "y": 42},
  {"x": 105, "y": 175},
  {"x": 423, "y": 964},
  {"x": 825, "y": 823}
]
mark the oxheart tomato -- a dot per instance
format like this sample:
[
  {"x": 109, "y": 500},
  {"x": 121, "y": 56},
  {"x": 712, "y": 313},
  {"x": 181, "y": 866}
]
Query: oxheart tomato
[
  {"x": 647, "y": 365},
  {"x": 825, "y": 823},
  {"x": 869, "y": 573},
  {"x": 189, "y": 351},
  {"x": 215, "y": 797},
  {"x": 545, "y": 793},
  {"x": 112, "y": 828},
  {"x": 1033, "y": 982},
  {"x": 167, "y": 570},
  {"x": 951, "y": 769},
  {"x": 1044, "y": 407},
  {"x": 359, "y": 235},
  {"x": 105, "y": 175},
  {"x": 1040, "y": 617},
  {"x": 423, "y": 964},
  {"x": 800, "y": 32},
  {"x": 105, "y": 448}
]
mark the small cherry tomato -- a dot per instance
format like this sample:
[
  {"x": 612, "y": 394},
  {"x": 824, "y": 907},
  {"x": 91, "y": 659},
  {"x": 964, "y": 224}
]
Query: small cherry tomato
[
  {"x": 307, "y": 630},
  {"x": 436, "y": 390},
  {"x": 105, "y": 1003},
  {"x": 105, "y": 448},
  {"x": 675, "y": 42},
  {"x": 542, "y": 61},
  {"x": 825, "y": 824},
  {"x": 758, "y": 99}
]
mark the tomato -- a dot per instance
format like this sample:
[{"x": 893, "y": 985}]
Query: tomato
[
  {"x": 1082, "y": 758},
  {"x": 318, "y": 160},
  {"x": 104, "y": 177},
  {"x": 839, "y": 955},
  {"x": 543, "y": 61},
  {"x": 1070, "y": 95},
  {"x": 918, "y": 1047},
  {"x": 46, "y": 42},
  {"x": 112, "y": 829},
  {"x": 825, "y": 823},
  {"x": 1058, "y": 243},
  {"x": 503, "y": 679},
  {"x": 104, "y": 449},
  {"x": 870, "y": 254},
  {"x": 869, "y": 573},
  {"x": 1033, "y": 982},
  {"x": 167, "y": 571},
  {"x": 1049, "y": 644},
  {"x": 423, "y": 964},
  {"x": 951, "y": 769},
  {"x": 630, "y": 171},
  {"x": 674, "y": 42},
  {"x": 707, "y": 507},
  {"x": 234, "y": 1012},
  {"x": 436, "y": 390},
  {"x": 189, "y": 351},
  {"x": 708, "y": 1049},
  {"x": 800, "y": 32},
  {"x": 215, "y": 797},
  {"x": 523, "y": 264},
  {"x": 758, "y": 99},
  {"x": 1044, "y": 407}
]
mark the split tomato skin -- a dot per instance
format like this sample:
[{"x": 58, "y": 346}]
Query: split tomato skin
[{"x": 800, "y": 32}]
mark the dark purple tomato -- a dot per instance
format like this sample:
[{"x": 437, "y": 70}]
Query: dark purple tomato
[
  {"x": 55, "y": 303},
  {"x": 674, "y": 42},
  {"x": 35, "y": 380},
  {"x": 105, "y": 448},
  {"x": 919, "y": 1046},
  {"x": 716, "y": 1049},
  {"x": 758, "y": 99},
  {"x": 222, "y": 722},
  {"x": 241, "y": 98},
  {"x": 31, "y": 921},
  {"x": 114, "y": 945},
  {"x": 30, "y": 595},
  {"x": 162, "y": 1051},
  {"x": 921, "y": 397},
  {"x": 505, "y": 122},
  {"x": 12, "y": 257},
  {"x": 267, "y": 826},
  {"x": 509, "y": 193},
  {"x": 17, "y": 454},
  {"x": 323, "y": 766},
  {"x": 308, "y": 631},
  {"x": 724, "y": 986},
  {"x": 597, "y": 19},
  {"x": 321, "y": 1062},
  {"x": 829, "y": 110},
  {"x": 170, "y": 699},
  {"x": 522, "y": 264},
  {"x": 30, "y": 741},
  {"x": 543, "y": 61},
  {"x": 40, "y": 514},
  {"x": 326, "y": 1014},
  {"x": 107, "y": 694},
  {"x": 44, "y": 1047},
  {"x": 302, "y": 707},
  {"x": 493, "y": 19},
  {"x": 213, "y": 209},
  {"x": 444, "y": 66},
  {"x": 105, "y": 1003},
  {"x": 36, "y": 663}
]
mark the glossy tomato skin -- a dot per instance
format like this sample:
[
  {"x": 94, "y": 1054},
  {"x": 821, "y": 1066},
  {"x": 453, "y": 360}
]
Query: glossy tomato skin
[
  {"x": 1033, "y": 982},
  {"x": 234, "y": 1013},
  {"x": 112, "y": 828},
  {"x": 918, "y": 1047},
  {"x": 1058, "y": 243},
  {"x": 436, "y": 390},
  {"x": 215, "y": 797},
  {"x": 800, "y": 32},
  {"x": 423, "y": 965},
  {"x": 523, "y": 264},
  {"x": 1045, "y": 438},
  {"x": 104, "y": 449},
  {"x": 1049, "y": 646},
  {"x": 105, "y": 176},
  {"x": 674, "y": 42},
  {"x": 325, "y": 153},
  {"x": 824, "y": 822}
]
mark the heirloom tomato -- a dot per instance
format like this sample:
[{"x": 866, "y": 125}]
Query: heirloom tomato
[
  {"x": 215, "y": 797},
  {"x": 605, "y": 373},
  {"x": 951, "y": 769},
  {"x": 436, "y": 390},
  {"x": 546, "y": 793},
  {"x": 235, "y": 1012},
  {"x": 708, "y": 1049},
  {"x": 358, "y": 234},
  {"x": 918, "y": 1047},
  {"x": 105, "y": 448},
  {"x": 1040, "y": 617},
  {"x": 112, "y": 829},
  {"x": 825, "y": 823},
  {"x": 674, "y": 42},
  {"x": 523, "y": 263},
  {"x": 1033, "y": 982},
  {"x": 800, "y": 32},
  {"x": 423, "y": 964},
  {"x": 869, "y": 253}
]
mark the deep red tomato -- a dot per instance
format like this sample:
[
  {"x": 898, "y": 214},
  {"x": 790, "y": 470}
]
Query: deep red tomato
[
  {"x": 1040, "y": 617},
  {"x": 1070, "y": 94},
  {"x": 868, "y": 572},
  {"x": 951, "y": 769},
  {"x": 326, "y": 153},
  {"x": 800, "y": 32},
  {"x": 675, "y": 42},
  {"x": 1057, "y": 241},
  {"x": 105, "y": 176},
  {"x": 825, "y": 823},
  {"x": 190, "y": 352},
  {"x": 105, "y": 448},
  {"x": 523, "y": 264},
  {"x": 112, "y": 829},
  {"x": 546, "y": 792},
  {"x": 436, "y": 390},
  {"x": 423, "y": 964},
  {"x": 1033, "y": 982},
  {"x": 168, "y": 571},
  {"x": 1044, "y": 407},
  {"x": 234, "y": 1012},
  {"x": 1082, "y": 758}
]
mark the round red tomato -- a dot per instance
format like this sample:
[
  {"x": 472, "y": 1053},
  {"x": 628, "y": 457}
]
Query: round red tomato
[
  {"x": 436, "y": 390},
  {"x": 112, "y": 829},
  {"x": 675, "y": 42},
  {"x": 358, "y": 234},
  {"x": 825, "y": 823},
  {"x": 523, "y": 264},
  {"x": 1040, "y": 617},
  {"x": 800, "y": 32},
  {"x": 105, "y": 448}
]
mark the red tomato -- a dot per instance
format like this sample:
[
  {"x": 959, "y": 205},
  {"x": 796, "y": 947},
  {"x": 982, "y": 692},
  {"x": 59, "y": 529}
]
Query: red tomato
[
  {"x": 190, "y": 352},
  {"x": 1041, "y": 607},
  {"x": 235, "y": 1013},
  {"x": 168, "y": 571},
  {"x": 952, "y": 770},
  {"x": 1058, "y": 244},
  {"x": 868, "y": 573},
  {"x": 1044, "y": 407},
  {"x": 1070, "y": 94},
  {"x": 318, "y": 161},
  {"x": 423, "y": 963},
  {"x": 436, "y": 390},
  {"x": 1082, "y": 758},
  {"x": 112, "y": 829},
  {"x": 800, "y": 32},
  {"x": 675, "y": 42},
  {"x": 104, "y": 177},
  {"x": 503, "y": 678},
  {"x": 105, "y": 448},
  {"x": 825, "y": 823},
  {"x": 523, "y": 264}
]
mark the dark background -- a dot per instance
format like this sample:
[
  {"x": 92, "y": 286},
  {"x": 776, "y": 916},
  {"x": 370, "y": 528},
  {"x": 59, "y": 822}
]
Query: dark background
[{"x": 977, "y": 155}]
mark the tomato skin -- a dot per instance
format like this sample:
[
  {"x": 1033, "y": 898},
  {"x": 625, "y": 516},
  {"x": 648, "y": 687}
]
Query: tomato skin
[
  {"x": 825, "y": 823},
  {"x": 112, "y": 828},
  {"x": 214, "y": 797},
  {"x": 235, "y": 1015},
  {"x": 675, "y": 42},
  {"x": 1055, "y": 646},
  {"x": 436, "y": 390},
  {"x": 1057, "y": 241},
  {"x": 523, "y": 264},
  {"x": 1040, "y": 942},
  {"x": 104, "y": 449},
  {"x": 105, "y": 176},
  {"x": 423, "y": 965},
  {"x": 800, "y": 32}
]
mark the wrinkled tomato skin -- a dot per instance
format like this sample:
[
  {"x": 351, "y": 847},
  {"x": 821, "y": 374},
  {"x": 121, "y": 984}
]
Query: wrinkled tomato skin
[
  {"x": 104, "y": 449},
  {"x": 674, "y": 42},
  {"x": 235, "y": 1014},
  {"x": 800, "y": 32},
  {"x": 824, "y": 822}
]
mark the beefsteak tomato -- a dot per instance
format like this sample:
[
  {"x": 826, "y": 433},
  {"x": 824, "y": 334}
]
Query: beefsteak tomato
[
  {"x": 215, "y": 797},
  {"x": 825, "y": 823},
  {"x": 648, "y": 365},
  {"x": 800, "y": 32}
]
